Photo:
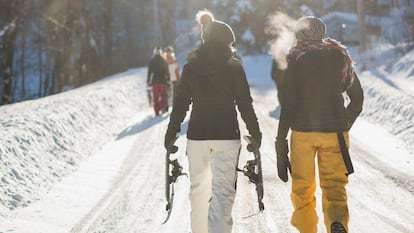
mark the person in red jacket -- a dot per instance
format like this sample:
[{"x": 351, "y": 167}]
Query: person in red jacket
[
  {"x": 213, "y": 81},
  {"x": 173, "y": 67},
  {"x": 158, "y": 78},
  {"x": 319, "y": 72}
]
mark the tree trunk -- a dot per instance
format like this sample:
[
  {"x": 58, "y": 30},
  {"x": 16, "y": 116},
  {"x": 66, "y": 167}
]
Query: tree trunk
[
  {"x": 9, "y": 42},
  {"x": 66, "y": 75},
  {"x": 157, "y": 26},
  {"x": 108, "y": 36},
  {"x": 22, "y": 61},
  {"x": 40, "y": 67},
  {"x": 361, "y": 21}
]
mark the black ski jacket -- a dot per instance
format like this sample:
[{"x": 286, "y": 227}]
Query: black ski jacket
[
  {"x": 312, "y": 98},
  {"x": 158, "y": 70},
  {"x": 215, "y": 83}
]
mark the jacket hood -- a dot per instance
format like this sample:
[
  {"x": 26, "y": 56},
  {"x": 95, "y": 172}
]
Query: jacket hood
[{"x": 209, "y": 58}]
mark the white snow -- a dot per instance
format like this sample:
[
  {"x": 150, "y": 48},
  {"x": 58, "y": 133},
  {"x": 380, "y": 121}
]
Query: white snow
[
  {"x": 92, "y": 159},
  {"x": 46, "y": 139}
]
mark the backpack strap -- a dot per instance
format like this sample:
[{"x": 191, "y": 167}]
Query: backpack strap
[{"x": 345, "y": 154}]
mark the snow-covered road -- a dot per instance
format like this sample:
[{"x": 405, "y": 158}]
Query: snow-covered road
[{"x": 120, "y": 188}]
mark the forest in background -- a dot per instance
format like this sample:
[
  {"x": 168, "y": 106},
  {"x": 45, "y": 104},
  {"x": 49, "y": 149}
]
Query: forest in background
[{"x": 49, "y": 46}]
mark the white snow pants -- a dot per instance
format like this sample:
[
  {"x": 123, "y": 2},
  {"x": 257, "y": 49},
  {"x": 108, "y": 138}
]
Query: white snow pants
[{"x": 213, "y": 176}]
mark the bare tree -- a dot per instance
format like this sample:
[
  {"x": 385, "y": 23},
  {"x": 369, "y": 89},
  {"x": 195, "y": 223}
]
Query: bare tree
[
  {"x": 23, "y": 50},
  {"x": 22, "y": 61},
  {"x": 157, "y": 23},
  {"x": 362, "y": 33},
  {"x": 361, "y": 20},
  {"x": 108, "y": 35},
  {"x": 13, "y": 17}
]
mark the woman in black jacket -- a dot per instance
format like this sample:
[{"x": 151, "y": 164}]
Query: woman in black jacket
[{"x": 214, "y": 82}]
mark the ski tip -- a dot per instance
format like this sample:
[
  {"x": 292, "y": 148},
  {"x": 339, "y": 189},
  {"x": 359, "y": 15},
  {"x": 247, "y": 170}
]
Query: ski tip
[{"x": 168, "y": 217}]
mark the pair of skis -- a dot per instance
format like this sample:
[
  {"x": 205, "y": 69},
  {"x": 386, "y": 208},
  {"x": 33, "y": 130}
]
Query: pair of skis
[{"x": 252, "y": 169}]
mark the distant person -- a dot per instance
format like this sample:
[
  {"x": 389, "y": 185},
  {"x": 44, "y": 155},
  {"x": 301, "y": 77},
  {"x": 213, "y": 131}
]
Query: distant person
[
  {"x": 277, "y": 74},
  {"x": 158, "y": 77},
  {"x": 215, "y": 83},
  {"x": 173, "y": 67},
  {"x": 319, "y": 71}
]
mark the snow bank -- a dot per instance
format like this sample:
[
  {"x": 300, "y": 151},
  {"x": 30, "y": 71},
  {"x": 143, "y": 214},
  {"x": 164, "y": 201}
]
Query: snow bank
[
  {"x": 388, "y": 107},
  {"x": 43, "y": 140},
  {"x": 389, "y": 95}
]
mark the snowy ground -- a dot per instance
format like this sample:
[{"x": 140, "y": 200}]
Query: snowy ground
[{"x": 91, "y": 159}]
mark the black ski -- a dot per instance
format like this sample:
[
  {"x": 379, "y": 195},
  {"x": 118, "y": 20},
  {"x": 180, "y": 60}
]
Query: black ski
[
  {"x": 173, "y": 170},
  {"x": 253, "y": 170}
]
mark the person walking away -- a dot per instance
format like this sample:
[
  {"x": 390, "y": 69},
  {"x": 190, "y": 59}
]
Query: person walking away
[
  {"x": 173, "y": 67},
  {"x": 319, "y": 72},
  {"x": 158, "y": 77},
  {"x": 277, "y": 76},
  {"x": 214, "y": 82}
]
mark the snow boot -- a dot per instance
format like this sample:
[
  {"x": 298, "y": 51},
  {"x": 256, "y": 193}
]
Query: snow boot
[{"x": 337, "y": 227}]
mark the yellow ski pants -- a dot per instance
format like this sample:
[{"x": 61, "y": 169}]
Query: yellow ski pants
[{"x": 325, "y": 146}]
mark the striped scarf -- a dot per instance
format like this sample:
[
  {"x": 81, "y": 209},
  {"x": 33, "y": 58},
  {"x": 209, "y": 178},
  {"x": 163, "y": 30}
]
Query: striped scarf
[{"x": 304, "y": 46}]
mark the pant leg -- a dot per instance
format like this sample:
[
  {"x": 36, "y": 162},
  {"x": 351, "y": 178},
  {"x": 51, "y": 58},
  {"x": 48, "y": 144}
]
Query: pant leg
[
  {"x": 333, "y": 181},
  {"x": 199, "y": 154},
  {"x": 174, "y": 86},
  {"x": 156, "y": 98},
  {"x": 302, "y": 159},
  {"x": 174, "y": 89},
  {"x": 163, "y": 96},
  {"x": 225, "y": 157}
]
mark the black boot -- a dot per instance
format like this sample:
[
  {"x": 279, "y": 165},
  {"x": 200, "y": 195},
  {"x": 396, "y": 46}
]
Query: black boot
[{"x": 337, "y": 227}]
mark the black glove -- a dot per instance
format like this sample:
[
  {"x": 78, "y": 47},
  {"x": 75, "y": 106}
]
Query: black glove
[
  {"x": 283, "y": 163},
  {"x": 169, "y": 142},
  {"x": 258, "y": 140}
]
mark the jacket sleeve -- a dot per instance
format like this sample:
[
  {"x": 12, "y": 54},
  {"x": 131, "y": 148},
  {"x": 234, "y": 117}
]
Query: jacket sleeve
[
  {"x": 244, "y": 102},
  {"x": 149, "y": 74},
  {"x": 177, "y": 71},
  {"x": 167, "y": 71},
  {"x": 182, "y": 101},
  {"x": 288, "y": 102},
  {"x": 356, "y": 96},
  {"x": 273, "y": 72}
]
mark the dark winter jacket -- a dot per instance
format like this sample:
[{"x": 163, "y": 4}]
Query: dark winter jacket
[
  {"x": 215, "y": 83},
  {"x": 158, "y": 70},
  {"x": 277, "y": 76},
  {"x": 276, "y": 73},
  {"x": 312, "y": 95}
]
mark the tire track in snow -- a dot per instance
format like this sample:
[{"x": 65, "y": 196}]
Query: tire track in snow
[
  {"x": 278, "y": 207},
  {"x": 136, "y": 202},
  {"x": 113, "y": 203},
  {"x": 373, "y": 192}
]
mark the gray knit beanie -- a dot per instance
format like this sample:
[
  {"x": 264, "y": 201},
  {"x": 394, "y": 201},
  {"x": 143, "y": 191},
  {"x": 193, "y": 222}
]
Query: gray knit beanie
[
  {"x": 310, "y": 28},
  {"x": 214, "y": 30}
]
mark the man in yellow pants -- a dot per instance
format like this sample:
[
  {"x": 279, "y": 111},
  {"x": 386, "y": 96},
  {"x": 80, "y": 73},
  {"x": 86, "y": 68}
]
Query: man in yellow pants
[{"x": 319, "y": 72}]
